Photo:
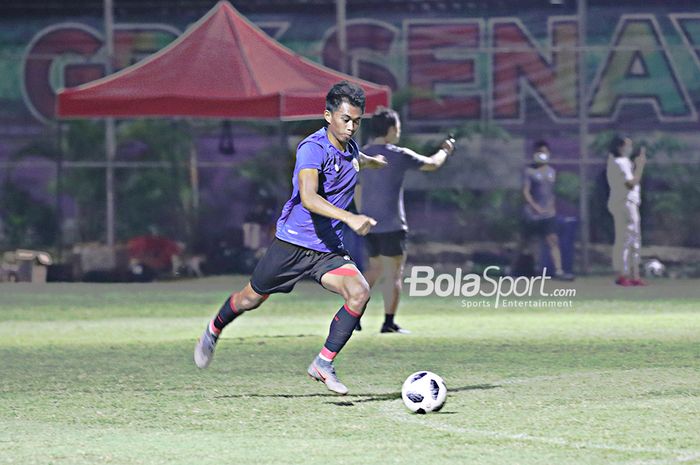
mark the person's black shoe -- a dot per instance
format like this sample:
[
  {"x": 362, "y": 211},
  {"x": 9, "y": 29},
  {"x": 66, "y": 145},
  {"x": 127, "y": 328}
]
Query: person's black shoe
[{"x": 393, "y": 328}]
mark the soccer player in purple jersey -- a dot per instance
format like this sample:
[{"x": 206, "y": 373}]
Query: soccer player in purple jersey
[
  {"x": 381, "y": 197},
  {"x": 309, "y": 239}
]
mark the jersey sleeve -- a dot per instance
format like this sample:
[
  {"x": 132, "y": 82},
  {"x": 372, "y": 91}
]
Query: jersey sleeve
[
  {"x": 310, "y": 156},
  {"x": 411, "y": 159}
]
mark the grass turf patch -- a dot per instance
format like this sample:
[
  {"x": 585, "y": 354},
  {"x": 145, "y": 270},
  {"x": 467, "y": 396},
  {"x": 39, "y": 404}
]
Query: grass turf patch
[{"x": 104, "y": 374}]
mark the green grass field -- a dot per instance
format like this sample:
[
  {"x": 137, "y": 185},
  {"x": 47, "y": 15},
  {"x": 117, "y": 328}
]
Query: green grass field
[{"x": 99, "y": 374}]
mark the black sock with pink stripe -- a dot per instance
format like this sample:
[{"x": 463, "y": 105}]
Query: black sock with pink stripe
[
  {"x": 226, "y": 315},
  {"x": 343, "y": 324}
]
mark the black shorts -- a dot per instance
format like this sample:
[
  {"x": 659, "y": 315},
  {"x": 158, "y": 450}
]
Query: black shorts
[
  {"x": 285, "y": 264},
  {"x": 389, "y": 244},
  {"x": 543, "y": 227}
]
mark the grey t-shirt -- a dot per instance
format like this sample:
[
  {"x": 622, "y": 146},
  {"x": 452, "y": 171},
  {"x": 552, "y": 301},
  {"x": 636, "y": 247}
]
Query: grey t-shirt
[
  {"x": 542, "y": 191},
  {"x": 382, "y": 189}
]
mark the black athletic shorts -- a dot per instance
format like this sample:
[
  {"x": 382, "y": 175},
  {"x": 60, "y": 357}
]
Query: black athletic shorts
[
  {"x": 285, "y": 264},
  {"x": 389, "y": 244},
  {"x": 542, "y": 227}
]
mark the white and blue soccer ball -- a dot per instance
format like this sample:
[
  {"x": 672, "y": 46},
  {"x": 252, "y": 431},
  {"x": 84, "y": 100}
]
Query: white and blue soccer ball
[{"x": 424, "y": 392}]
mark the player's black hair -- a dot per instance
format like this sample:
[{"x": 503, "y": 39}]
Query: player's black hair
[
  {"x": 347, "y": 91},
  {"x": 539, "y": 143},
  {"x": 383, "y": 119},
  {"x": 616, "y": 144}
]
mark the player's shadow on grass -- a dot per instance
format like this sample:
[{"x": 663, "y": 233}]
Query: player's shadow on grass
[
  {"x": 397, "y": 395},
  {"x": 361, "y": 398},
  {"x": 274, "y": 336}
]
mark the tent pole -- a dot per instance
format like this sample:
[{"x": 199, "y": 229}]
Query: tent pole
[
  {"x": 340, "y": 15},
  {"x": 110, "y": 144},
  {"x": 583, "y": 138},
  {"x": 284, "y": 143},
  {"x": 59, "y": 185},
  {"x": 194, "y": 180},
  {"x": 110, "y": 132}
]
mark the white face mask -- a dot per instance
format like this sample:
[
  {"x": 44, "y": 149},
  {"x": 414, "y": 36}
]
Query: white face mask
[{"x": 540, "y": 158}]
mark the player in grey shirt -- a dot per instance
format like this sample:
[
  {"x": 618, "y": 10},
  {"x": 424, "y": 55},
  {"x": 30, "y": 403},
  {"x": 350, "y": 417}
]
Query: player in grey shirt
[
  {"x": 540, "y": 216},
  {"x": 381, "y": 197}
]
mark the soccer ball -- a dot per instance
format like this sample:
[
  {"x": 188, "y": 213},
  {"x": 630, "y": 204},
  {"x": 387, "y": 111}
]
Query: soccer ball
[
  {"x": 654, "y": 268},
  {"x": 424, "y": 392}
]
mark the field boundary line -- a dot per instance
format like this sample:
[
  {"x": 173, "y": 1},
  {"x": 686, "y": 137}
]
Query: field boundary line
[{"x": 680, "y": 455}]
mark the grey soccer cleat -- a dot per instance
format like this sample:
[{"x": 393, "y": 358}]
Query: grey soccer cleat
[
  {"x": 204, "y": 350},
  {"x": 323, "y": 371}
]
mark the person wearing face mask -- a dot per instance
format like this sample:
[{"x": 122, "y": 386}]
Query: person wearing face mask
[
  {"x": 624, "y": 176},
  {"x": 540, "y": 216}
]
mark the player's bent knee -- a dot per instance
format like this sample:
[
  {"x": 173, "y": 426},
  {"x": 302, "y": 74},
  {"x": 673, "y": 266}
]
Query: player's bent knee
[
  {"x": 358, "y": 296},
  {"x": 248, "y": 303},
  {"x": 357, "y": 306}
]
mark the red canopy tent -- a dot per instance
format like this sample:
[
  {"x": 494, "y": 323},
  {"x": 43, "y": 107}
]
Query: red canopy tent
[{"x": 223, "y": 66}]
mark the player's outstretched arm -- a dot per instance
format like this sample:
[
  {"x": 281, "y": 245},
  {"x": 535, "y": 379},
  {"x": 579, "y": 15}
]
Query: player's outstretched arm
[
  {"x": 308, "y": 190},
  {"x": 435, "y": 161},
  {"x": 374, "y": 162}
]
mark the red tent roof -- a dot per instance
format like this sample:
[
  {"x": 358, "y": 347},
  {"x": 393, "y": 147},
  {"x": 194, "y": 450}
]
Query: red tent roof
[{"x": 223, "y": 66}]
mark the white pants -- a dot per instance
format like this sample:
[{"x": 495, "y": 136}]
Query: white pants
[{"x": 628, "y": 238}]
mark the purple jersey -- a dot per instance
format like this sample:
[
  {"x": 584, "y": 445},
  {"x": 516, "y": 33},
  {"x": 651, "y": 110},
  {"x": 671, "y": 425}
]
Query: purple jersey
[{"x": 337, "y": 176}]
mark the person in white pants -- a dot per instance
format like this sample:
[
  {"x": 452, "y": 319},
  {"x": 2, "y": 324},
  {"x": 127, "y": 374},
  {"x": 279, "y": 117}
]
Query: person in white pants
[{"x": 624, "y": 174}]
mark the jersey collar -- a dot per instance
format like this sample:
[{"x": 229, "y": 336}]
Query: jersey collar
[{"x": 332, "y": 149}]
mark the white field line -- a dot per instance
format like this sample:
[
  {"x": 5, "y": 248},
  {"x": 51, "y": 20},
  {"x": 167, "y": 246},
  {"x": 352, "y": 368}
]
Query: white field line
[
  {"x": 694, "y": 458},
  {"x": 680, "y": 456},
  {"x": 577, "y": 374}
]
